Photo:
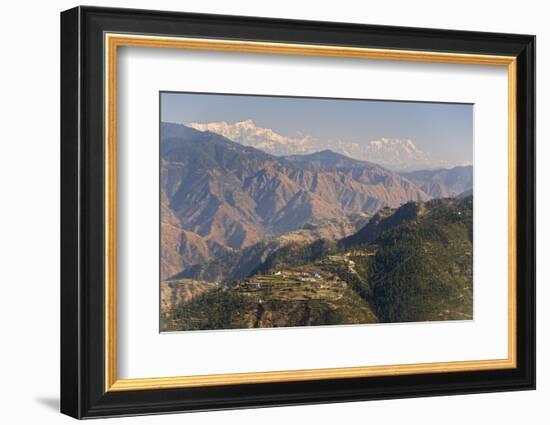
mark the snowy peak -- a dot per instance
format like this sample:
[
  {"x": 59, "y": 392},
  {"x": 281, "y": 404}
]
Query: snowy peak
[
  {"x": 396, "y": 154},
  {"x": 248, "y": 134},
  {"x": 400, "y": 155}
]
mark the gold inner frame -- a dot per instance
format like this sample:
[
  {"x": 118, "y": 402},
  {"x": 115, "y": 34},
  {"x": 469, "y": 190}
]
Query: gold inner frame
[{"x": 113, "y": 41}]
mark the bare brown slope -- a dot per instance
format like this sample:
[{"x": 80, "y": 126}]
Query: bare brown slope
[{"x": 182, "y": 248}]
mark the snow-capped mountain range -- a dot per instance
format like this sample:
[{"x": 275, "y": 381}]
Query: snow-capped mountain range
[{"x": 396, "y": 154}]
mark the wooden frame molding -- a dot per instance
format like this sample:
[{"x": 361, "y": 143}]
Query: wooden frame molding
[{"x": 114, "y": 40}]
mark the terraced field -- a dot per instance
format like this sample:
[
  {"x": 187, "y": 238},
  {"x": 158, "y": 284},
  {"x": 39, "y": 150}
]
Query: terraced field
[
  {"x": 308, "y": 296},
  {"x": 294, "y": 285}
]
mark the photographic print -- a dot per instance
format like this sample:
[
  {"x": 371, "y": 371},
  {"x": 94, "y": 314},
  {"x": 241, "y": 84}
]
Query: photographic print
[{"x": 291, "y": 211}]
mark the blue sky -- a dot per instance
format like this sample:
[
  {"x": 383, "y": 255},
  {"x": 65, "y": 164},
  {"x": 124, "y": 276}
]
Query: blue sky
[{"x": 443, "y": 129}]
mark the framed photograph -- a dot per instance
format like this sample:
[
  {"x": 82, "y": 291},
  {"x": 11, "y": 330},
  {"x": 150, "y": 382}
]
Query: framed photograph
[{"x": 261, "y": 212}]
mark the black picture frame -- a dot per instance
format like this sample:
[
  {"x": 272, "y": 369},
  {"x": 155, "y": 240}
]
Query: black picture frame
[{"x": 83, "y": 392}]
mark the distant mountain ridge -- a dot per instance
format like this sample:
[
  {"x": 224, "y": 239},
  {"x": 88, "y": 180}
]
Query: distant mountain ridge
[
  {"x": 396, "y": 154},
  {"x": 218, "y": 196},
  {"x": 444, "y": 183}
]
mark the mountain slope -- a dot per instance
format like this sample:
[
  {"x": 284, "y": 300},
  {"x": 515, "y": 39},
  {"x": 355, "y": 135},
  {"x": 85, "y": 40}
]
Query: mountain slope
[
  {"x": 181, "y": 248},
  {"x": 383, "y": 220},
  {"x": 466, "y": 193},
  {"x": 422, "y": 269},
  {"x": 443, "y": 183},
  {"x": 232, "y": 196}
]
